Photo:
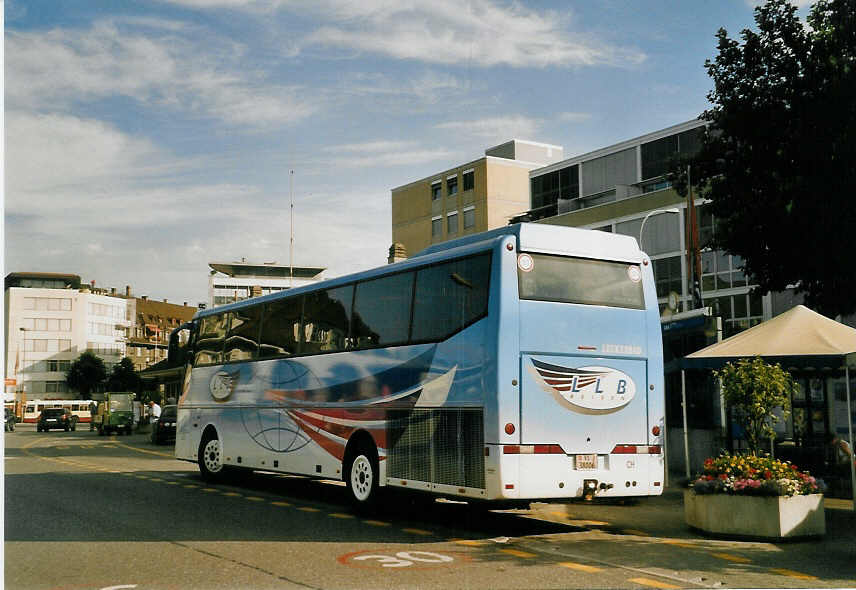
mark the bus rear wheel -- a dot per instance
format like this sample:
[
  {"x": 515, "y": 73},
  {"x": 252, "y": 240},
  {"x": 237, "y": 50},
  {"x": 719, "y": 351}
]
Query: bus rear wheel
[{"x": 361, "y": 477}]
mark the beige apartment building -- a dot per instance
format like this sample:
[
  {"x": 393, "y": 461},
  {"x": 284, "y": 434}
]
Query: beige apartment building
[{"x": 469, "y": 198}]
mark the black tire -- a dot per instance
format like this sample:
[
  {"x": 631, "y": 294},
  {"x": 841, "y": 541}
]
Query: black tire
[
  {"x": 361, "y": 476},
  {"x": 210, "y": 458},
  {"x": 100, "y": 430}
]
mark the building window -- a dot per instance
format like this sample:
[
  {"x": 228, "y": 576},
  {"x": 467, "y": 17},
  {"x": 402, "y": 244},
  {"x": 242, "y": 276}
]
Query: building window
[
  {"x": 436, "y": 190},
  {"x": 452, "y": 223},
  {"x": 658, "y": 154},
  {"x": 54, "y": 366},
  {"x": 738, "y": 312},
  {"x": 555, "y": 192},
  {"x": 55, "y": 387},
  {"x": 667, "y": 275},
  {"x": 469, "y": 180},
  {"x": 47, "y": 304},
  {"x": 469, "y": 217},
  {"x": 436, "y": 227},
  {"x": 452, "y": 186}
]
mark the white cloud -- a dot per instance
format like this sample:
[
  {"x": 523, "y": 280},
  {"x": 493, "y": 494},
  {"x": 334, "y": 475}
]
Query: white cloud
[
  {"x": 571, "y": 117},
  {"x": 99, "y": 177},
  {"x": 63, "y": 68},
  {"x": 481, "y": 33},
  {"x": 429, "y": 87},
  {"x": 84, "y": 197},
  {"x": 384, "y": 153},
  {"x": 45, "y": 153},
  {"x": 495, "y": 129}
]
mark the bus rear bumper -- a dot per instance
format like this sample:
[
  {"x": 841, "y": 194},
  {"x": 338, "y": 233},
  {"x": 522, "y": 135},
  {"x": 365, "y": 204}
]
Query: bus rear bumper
[{"x": 550, "y": 477}]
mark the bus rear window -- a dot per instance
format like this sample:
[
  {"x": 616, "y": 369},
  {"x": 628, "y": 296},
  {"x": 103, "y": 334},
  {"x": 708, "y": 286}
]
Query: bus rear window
[{"x": 564, "y": 279}]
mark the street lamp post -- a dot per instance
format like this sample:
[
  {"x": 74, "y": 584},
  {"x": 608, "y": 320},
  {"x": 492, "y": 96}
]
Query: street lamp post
[
  {"x": 650, "y": 213},
  {"x": 22, "y": 370}
]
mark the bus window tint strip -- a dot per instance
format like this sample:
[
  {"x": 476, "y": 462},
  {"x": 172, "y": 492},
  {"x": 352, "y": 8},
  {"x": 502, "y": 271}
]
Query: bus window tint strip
[
  {"x": 382, "y": 311},
  {"x": 578, "y": 280},
  {"x": 280, "y": 332},
  {"x": 326, "y": 320},
  {"x": 209, "y": 346},
  {"x": 242, "y": 340},
  {"x": 424, "y": 305},
  {"x": 449, "y": 297}
]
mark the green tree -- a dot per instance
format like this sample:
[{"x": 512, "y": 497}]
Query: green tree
[
  {"x": 754, "y": 389},
  {"x": 777, "y": 160},
  {"x": 123, "y": 377},
  {"x": 86, "y": 374}
]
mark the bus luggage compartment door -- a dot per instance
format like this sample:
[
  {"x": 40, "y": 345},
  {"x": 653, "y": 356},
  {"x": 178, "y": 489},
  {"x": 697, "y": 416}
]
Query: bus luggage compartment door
[{"x": 584, "y": 404}]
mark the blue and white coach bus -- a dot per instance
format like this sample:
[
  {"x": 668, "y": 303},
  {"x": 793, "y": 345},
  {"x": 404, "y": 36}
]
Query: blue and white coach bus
[{"x": 523, "y": 363}]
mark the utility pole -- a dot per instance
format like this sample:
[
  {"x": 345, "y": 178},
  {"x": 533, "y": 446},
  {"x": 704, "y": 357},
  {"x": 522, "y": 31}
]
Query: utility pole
[
  {"x": 291, "y": 244},
  {"x": 693, "y": 253}
]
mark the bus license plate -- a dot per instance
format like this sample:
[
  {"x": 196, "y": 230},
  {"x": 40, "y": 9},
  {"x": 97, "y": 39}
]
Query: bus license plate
[{"x": 586, "y": 461}]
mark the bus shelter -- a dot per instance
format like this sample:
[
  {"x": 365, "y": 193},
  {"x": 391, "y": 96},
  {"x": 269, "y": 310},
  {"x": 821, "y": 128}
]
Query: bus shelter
[{"x": 803, "y": 342}]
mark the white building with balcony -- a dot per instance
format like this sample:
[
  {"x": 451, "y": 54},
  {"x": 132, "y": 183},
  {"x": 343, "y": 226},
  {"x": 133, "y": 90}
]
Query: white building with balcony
[
  {"x": 229, "y": 282},
  {"x": 48, "y": 328}
]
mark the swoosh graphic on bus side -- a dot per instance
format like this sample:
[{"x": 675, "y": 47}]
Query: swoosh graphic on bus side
[{"x": 395, "y": 383}]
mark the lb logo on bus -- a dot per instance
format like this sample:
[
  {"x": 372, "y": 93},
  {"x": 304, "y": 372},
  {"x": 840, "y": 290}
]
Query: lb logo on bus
[
  {"x": 587, "y": 390},
  {"x": 222, "y": 385}
]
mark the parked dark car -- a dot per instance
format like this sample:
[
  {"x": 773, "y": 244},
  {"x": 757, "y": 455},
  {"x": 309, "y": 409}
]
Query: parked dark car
[
  {"x": 163, "y": 431},
  {"x": 56, "y": 418},
  {"x": 9, "y": 424}
]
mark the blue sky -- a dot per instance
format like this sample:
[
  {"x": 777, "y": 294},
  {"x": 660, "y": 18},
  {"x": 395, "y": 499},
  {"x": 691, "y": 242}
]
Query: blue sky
[{"x": 147, "y": 138}]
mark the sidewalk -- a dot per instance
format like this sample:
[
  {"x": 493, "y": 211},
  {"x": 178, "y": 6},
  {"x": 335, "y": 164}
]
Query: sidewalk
[{"x": 663, "y": 516}]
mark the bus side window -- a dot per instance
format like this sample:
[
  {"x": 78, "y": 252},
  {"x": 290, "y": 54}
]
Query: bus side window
[
  {"x": 242, "y": 342},
  {"x": 209, "y": 345},
  {"x": 449, "y": 297},
  {"x": 179, "y": 345},
  {"x": 281, "y": 327},
  {"x": 327, "y": 320},
  {"x": 382, "y": 310}
]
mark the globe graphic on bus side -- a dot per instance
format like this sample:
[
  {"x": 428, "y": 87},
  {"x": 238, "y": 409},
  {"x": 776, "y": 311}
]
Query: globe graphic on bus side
[{"x": 273, "y": 428}]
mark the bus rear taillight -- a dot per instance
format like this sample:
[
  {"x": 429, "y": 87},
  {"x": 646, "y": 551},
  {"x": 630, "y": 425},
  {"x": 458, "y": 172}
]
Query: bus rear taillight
[
  {"x": 532, "y": 450},
  {"x": 636, "y": 450}
]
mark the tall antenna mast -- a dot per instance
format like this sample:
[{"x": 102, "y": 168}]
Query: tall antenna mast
[{"x": 291, "y": 245}]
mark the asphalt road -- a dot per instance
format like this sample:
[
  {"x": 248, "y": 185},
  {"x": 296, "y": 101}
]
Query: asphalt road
[{"x": 89, "y": 512}]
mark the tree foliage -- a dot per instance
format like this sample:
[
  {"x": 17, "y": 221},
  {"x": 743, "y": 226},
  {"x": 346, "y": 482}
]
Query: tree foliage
[
  {"x": 778, "y": 158},
  {"x": 754, "y": 389},
  {"x": 123, "y": 377},
  {"x": 86, "y": 374}
]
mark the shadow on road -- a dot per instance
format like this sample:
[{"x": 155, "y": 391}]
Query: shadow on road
[{"x": 154, "y": 506}]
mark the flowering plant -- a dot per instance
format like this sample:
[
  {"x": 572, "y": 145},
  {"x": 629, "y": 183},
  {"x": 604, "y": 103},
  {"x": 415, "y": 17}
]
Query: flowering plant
[{"x": 754, "y": 475}]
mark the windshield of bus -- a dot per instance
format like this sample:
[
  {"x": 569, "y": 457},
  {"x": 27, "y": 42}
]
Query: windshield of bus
[
  {"x": 544, "y": 277},
  {"x": 120, "y": 404}
]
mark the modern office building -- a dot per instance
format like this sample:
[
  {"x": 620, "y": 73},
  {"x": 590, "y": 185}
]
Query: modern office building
[
  {"x": 619, "y": 187},
  {"x": 624, "y": 189},
  {"x": 468, "y": 198},
  {"x": 50, "y": 320},
  {"x": 235, "y": 281}
]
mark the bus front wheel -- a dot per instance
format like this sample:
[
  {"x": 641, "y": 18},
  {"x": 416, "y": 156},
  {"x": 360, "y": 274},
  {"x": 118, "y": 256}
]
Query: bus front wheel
[
  {"x": 361, "y": 477},
  {"x": 210, "y": 458}
]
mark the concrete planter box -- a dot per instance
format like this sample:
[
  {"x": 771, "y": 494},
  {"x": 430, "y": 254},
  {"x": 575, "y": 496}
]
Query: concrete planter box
[{"x": 768, "y": 517}]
